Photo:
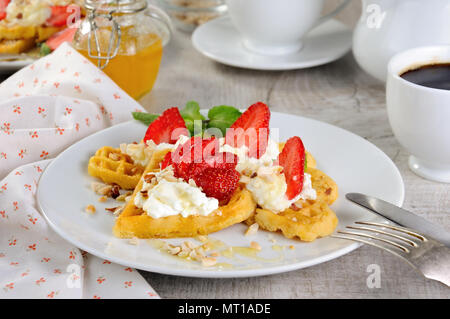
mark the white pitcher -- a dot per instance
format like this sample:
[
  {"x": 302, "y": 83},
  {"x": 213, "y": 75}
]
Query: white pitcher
[{"x": 387, "y": 27}]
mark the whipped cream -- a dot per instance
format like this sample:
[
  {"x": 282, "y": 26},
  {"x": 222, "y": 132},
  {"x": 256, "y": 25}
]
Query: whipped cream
[
  {"x": 269, "y": 186},
  {"x": 167, "y": 195},
  {"x": 28, "y": 12},
  {"x": 141, "y": 153},
  {"x": 248, "y": 165},
  {"x": 269, "y": 189}
]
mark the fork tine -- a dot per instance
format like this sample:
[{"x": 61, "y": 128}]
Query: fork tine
[
  {"x": 370, "y": 243},
  {"x": 396, "y": 228},
  {"x": 387, "y": 241},
  {"x": 378, "y": 231}
]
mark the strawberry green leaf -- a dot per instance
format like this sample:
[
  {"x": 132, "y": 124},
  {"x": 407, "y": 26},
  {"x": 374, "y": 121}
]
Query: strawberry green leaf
[
  {"x": 222, "y": 117},
  {"x": 192, "y": 111},
  {"x": 192, "y": 117},
  {"x": 145, "y": 118},
  {"x": 45, "y": 49}
]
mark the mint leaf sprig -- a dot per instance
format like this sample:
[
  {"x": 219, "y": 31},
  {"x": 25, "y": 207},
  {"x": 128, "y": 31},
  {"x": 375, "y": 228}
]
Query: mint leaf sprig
[{"x": 219, "y": 117}]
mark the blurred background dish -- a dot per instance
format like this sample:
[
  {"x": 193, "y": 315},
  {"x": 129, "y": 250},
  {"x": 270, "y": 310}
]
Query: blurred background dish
[
  {"x": 387, "y": 27},
  {"x": 189, "y": 14},
  {"x": 325, "y": 43}
]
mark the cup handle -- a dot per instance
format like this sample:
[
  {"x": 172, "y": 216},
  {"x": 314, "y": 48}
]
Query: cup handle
[{"x": 331, "y": 14}]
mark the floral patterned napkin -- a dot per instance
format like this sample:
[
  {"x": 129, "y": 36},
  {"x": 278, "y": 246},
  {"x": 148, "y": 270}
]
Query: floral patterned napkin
[{"x": 44, "y": 108}]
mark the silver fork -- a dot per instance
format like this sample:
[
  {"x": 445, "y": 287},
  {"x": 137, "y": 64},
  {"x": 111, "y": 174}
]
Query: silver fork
[{"x": 426, "y": 255}]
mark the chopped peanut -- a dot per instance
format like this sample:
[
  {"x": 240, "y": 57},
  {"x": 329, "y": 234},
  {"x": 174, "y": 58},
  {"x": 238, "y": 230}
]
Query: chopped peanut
[
  {"x": 209, "y": 261},
  {"x": 252, "y": 229},
  {"x": 255, "y": 245},
  {"x": 90, "y": 209},
  {"x": 102, "y": 199},
  {"x": 134, "y": 241}
]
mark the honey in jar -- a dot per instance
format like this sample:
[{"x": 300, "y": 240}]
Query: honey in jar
[{"x": 124, "y": 38}]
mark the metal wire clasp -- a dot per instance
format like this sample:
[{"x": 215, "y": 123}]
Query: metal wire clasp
[{"x": 116, "y": 35}]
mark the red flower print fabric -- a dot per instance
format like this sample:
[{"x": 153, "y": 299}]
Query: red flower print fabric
[{"x": 43, "y": 110}]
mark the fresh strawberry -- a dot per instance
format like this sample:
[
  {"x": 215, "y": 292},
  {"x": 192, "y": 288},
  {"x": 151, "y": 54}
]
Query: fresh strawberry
[
  {"x": 59, "y": 38},
  {"x": 219, "y": 183},
  {"x": 167, "y": 128},
  {"x": 3, "y": 6},
  {"x": 251, "y": 129},
  {"x": 59, "y": 16},
  {"x": 193, "y": 157},
  {"x": 292, "y": 159},
  {"x": 167, "y": 161},
  {"x": 224, "y": 160}
]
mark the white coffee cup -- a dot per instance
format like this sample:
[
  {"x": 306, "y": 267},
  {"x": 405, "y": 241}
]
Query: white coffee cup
[
  {"x": 419, "y": 115},
  {"x": 274, "y": 27}
]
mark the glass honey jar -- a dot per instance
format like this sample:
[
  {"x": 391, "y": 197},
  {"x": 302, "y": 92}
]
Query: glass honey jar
[{"x": 125, "y": 38}]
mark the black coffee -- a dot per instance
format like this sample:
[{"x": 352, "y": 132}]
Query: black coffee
[{"x": 436, "y": 76}]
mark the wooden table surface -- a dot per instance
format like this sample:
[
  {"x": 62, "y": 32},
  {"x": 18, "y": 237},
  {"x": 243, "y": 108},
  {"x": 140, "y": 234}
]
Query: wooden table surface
[{"x": 339, "y": 93}]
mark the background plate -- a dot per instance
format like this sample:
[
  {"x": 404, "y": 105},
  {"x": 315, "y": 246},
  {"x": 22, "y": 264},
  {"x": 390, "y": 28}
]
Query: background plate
[
  {"x": 219, "y": 40},
  {"x": 354, "y": 163}
]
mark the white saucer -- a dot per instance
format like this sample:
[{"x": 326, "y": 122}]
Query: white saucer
[{"x": 220, "y": 41}]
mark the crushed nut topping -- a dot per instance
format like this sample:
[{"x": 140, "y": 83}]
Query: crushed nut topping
[
  {"x": 102, "y": 199},
  {"x": 90, "y": 209},
  {"x": 148, "y": 177},
  {"x": 122, "y": 197},
  {"x": 252, "y": 229},
  {"x": 134, "y": 241},
  {"x": 115, "y": 191},
  {"x": 115, "y": 210},
  {"x": 101, "y": 189},
  {"x": 255, "y": 245},
  {"x": 209, "y": 261}
]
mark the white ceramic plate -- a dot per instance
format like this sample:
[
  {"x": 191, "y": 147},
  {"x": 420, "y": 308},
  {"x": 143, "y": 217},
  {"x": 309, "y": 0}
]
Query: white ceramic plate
[
  {"x": 14, "y": 65},
  {"x": 220, "y": 41},
  {"x": 354, "y": 163}
]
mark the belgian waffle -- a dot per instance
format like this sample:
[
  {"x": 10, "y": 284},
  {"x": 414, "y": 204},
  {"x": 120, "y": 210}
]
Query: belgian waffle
[{"x": 114, "y": 167}]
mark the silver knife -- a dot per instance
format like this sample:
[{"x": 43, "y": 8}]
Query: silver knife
[{"x": 401, "y": 216}]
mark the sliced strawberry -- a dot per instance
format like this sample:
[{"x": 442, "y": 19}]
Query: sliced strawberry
[
  {"x": 59, "y": 16},
  {"x": 292, "y": 159},
  {"x": 219, "y": 183},
  {"x": 59, "y": 38},
  {"x": 167, "y": 161},
  {"x": 251, "y": 129},
  {"x": 167, "y": 128},
  {"x": 3, "y": 6}
]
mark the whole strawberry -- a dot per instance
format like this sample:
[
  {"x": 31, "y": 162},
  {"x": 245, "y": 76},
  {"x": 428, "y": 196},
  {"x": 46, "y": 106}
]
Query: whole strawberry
[
  {"x": 192, "y": 157},
  {"x": 219, "y": 183}
]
